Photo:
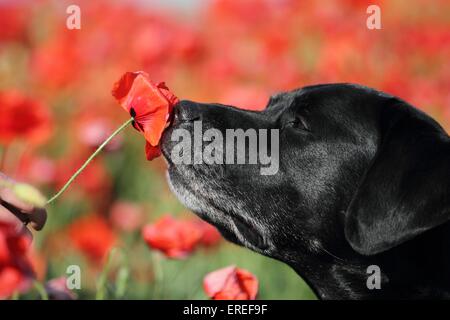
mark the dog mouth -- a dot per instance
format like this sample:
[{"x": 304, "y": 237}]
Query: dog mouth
[
  {"x": 250, "y": 234},
  {"x": 231, "y": 225},
  {"x": 186, "y": 183},
  {"x": 239, "y": 231}
]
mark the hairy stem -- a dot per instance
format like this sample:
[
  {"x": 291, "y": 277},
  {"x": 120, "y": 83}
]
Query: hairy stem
[{"x": 96, "y": 152}]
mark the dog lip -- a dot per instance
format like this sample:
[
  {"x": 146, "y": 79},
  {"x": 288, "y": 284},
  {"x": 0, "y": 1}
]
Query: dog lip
[
  {"x": 188, "y": 120},
  {"x": 250, "y": 233},
  {"x": 166, "y": 142},
  {"x": 243, "y": 231}
]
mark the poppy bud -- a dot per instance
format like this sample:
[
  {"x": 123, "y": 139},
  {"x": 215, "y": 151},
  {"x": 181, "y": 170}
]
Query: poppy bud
[{"x": 29, "y": 194}]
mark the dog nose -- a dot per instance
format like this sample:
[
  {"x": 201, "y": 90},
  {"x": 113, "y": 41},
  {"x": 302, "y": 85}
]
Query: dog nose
[{"x": 187, "y": 110}]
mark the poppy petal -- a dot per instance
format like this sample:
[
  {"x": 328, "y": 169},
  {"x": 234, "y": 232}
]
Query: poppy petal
[
  {"x": 123, "y": 86},
  {"x": 151, "y": 152},
  {"x": 148, "y": 103},
  {"x": 231, "y": 283},
  {"x": 175, "y": 238},
  {"x": 215, "y": 281}
]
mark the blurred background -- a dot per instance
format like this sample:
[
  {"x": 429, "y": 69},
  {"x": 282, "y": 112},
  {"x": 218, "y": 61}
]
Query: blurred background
[{"x": 56, "y": 108}]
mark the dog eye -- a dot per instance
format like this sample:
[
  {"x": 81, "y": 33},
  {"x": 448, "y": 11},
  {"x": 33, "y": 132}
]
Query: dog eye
[{"x": 298, "y": 123}]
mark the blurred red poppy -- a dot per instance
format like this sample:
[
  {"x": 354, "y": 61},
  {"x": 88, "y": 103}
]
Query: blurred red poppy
[
  {"x": 93, "y": 236},
  {"x": 57, "y": 63},
  {"x": 188, "y": 45},
  {"x": 248, "y": 98},
  {"x": 94, "y": 180},
  {"x": 13, "y": 21},
  {"x": 126, "y": 216},
  {"x": 210, "y": 235},
  {"x": 23, "y": 117},
  {"x": 36, "y": 169},
  {"x": 234, "y": 52},
  {"x": 230, "y": 283},
  {"x": 93, "y": 130},
  {"x": 175, "y": 238},
  {"x": 15, "y": 268},
  {"x": 149, "y": 104},
  {"x": 155, "y": 51}
]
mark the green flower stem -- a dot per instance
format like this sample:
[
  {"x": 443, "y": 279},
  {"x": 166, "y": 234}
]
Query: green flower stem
[
  {"x": 159, "y": 276},
  {"x": 103, "y": 278},
  {"x": 41, "y": 290},
  {"x": 89, "y": 160}
]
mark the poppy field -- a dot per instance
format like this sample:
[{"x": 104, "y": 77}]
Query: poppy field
[{"x": 118, "y": 232}]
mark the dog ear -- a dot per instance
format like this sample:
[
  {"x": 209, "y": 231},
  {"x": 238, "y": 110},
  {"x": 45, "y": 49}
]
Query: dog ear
[{"x": 406, "y": 189}]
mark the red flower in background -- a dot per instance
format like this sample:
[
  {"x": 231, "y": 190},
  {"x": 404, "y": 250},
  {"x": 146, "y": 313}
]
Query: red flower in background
[
  {"x": 126, "y": 216},
  {"x": 36, "y": 169},
  {"x": 210, "y": 235},
  {"x": 149, "y": 104},
  {"x": 248, "y": 98},
  {"x": 15, "y": 268},
  {"x": 23, "y": 117},
  {"x": 56, "y": 63},
  {"x": 13, "y": 21},
  {"x": 92, "y": 130},
  {"x": 175, "y": 238},
  {"x": 230, "y": 283},
  {"x": 93, "y": 236},
  {"x": 154, "y": 51},
  {"x": 229, "y": 53},
  {"x": 94, "y": 180}
]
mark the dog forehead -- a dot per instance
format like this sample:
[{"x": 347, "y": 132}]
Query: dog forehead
[
  {"x": 281, "y": 100},
  {"x": 337, "y": 102},
  {"x": 309, "y": 95}
]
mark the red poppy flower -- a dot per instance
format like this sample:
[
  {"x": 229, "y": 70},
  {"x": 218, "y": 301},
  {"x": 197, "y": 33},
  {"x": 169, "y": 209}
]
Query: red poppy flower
[
  {"x": 231, "y": 283},
  {"x": 22, "y": 117},
  {"x": 248, "y": 98},
  {"x": 13, "y": 21},
  {"x": 57, "y": 62},
  {"x": 94, "y": 180},
  {"x": 93, "y": 236},
  {"x": 175, "y": 238},
  {"x": 36, "y": 169},
  {"x": 93, "y": 130},
  {"x": 149, "y": 104},
  {"x": 210, "y": 235},
  {"x": 15, "y": 268},
  {"x": 126, "y": 216}
]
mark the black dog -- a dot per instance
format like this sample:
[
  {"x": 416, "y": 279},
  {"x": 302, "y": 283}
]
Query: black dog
[{"x": 364, "y": 179}]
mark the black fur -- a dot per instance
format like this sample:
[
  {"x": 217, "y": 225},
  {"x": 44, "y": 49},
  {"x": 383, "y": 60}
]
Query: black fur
[{"x": 364, "y": 180}]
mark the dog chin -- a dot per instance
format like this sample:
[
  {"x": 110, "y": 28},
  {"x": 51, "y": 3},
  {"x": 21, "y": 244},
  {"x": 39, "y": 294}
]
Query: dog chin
[
  {"x": 201, "y": 207},
  {"x": 190, "y": 199},
  {"x": 235, "y": 229},
  {"x": 186, "y": 197}
]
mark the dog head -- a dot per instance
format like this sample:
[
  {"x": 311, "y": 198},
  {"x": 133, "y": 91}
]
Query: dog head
[{"x": 356, "y": 174}]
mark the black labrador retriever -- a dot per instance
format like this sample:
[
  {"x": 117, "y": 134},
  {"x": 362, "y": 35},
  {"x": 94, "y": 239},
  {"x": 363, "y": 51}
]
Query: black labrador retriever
[{"x": 363, "y": 180}]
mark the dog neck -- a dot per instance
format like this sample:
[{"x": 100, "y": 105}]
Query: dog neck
[
  {"x": 413, "y": 271},
  {"x": 335, "y": 280}
]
